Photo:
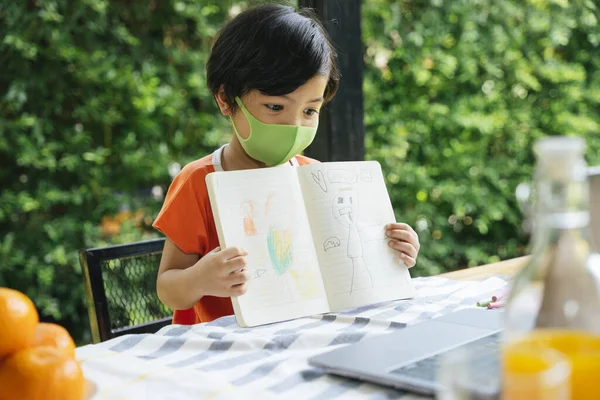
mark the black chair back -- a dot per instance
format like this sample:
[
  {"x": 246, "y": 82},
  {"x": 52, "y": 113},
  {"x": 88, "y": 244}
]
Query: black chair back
[{"x": 120, "y": 286}]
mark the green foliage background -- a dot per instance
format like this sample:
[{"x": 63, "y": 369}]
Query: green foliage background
[
  {"x": 100, "y": 98},
  {"x": 456, "y": 92}
]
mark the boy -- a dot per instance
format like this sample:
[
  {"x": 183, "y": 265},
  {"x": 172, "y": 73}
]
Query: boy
[{"x": 271, "y": 70}]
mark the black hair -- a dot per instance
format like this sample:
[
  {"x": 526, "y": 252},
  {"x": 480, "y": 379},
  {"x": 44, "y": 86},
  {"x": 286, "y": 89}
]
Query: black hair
[{"x": 272, "y": 48}]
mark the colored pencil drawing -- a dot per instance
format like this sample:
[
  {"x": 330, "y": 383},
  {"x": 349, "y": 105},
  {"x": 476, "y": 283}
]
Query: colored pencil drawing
[
  {"x": 270, "y": 198},
  {"x": 279, "y": 245},
  {"x": 277, "y": 265},
  {"x": 306, "y": 279},
  {"x": 247, "y": 211},
  {"x": 345, "y": 210},
  {"x": 279, "y": 218}
]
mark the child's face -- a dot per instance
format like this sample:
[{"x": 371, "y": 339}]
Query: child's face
[{"x": 300, "y": 108}]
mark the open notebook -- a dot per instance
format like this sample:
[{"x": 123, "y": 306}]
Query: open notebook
[{"x": 315, "y": 238}]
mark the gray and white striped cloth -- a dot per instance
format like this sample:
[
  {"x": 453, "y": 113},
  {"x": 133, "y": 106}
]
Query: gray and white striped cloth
[{"x": 220, "y": 360}]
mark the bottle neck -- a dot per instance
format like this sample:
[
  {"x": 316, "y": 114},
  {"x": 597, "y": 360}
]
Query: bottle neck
[{"x": 562, "y": 206}]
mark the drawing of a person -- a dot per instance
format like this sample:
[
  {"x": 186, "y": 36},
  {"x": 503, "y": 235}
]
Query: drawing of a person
[{"x": 345, "y": 211}]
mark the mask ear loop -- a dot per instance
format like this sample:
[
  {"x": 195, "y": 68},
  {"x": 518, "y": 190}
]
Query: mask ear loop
[{"x": 246, "y": 114}]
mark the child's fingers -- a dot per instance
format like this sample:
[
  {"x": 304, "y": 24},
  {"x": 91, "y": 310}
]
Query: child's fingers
[
  {"x": 238, "y": 277},
  {"x": 402, "y": 227},
  {"x": 232, "y": 252},
  {"x": 399, "y": 225},
  {"x": 236, "y": 264},
  {"x": 406, "y": 236},
  {"x": 404, "y": 247},
  {"x": 238, "y": 290},
  {"x": 409, "y": 261}
]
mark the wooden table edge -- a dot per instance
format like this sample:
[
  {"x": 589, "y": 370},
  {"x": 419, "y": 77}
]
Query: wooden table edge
[{"x": 507, "y": 267}]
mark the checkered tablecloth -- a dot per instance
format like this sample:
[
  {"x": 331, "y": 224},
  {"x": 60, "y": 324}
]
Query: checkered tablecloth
[{"x": 220, "y": 360}]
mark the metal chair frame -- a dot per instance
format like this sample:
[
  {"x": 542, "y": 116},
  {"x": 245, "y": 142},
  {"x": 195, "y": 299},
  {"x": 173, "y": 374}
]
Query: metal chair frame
[{"x": 91, "y": 262}]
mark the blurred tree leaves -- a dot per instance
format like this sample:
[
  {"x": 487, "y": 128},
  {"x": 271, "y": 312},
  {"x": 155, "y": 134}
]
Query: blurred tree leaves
[{"x": 455, "y": 94}]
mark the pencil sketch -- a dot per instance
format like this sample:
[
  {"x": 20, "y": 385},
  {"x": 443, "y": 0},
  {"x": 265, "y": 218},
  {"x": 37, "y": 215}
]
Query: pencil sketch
[
  {"x": 331, "y": 243},
  {"x": 345, "y": 210},
  {"x": 258, "y": 273},
  {"x": 365, "y": 175},
  {"x": 319, "y": 179},
  {"x": 341, "y": 176}
]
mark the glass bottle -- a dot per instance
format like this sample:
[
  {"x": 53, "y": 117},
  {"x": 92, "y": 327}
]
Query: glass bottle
[{"x": 559, "y": 287}]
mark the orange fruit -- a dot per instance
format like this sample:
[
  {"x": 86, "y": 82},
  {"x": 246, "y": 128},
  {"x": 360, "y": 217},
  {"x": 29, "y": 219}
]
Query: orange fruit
[
  {"x": 18, "y": 320},
  {"x": 56, "y": 336},
  {"x": 39, "y": 373}
]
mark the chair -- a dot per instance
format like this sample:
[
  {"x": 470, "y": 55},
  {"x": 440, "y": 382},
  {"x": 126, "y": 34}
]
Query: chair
[{"x": 120, "y": 286}]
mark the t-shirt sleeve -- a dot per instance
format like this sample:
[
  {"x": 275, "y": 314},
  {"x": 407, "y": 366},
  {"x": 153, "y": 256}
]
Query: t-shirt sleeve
[{"x": 183, "y": 215}]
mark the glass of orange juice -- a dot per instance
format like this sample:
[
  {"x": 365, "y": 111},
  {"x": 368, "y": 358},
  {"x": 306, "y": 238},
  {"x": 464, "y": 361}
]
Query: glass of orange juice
[
  {"x": 582, "y": 349},
  {"x": 535, "y": 374},
  {"x": 518, "y": 374}
]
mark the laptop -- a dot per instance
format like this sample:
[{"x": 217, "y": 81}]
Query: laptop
[{"x": 408, "y": 359}]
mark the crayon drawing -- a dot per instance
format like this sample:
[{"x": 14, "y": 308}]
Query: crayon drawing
[
  {"x": 279, "y": 244},
  {"x": 279, "y": 240},
  {"x": 270, "y": 198},
  {"x": 277, "y": 263},
  {"x": 306, "y": 280},
  {"x": 247, "y": 211}
]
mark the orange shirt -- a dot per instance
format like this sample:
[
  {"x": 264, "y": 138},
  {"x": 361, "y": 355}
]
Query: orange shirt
[{"x": 186, "y": 219}]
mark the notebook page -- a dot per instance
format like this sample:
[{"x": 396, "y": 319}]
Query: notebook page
[
  {"x": 262, "y": 211},
  {"x": 348, "y": 207}
]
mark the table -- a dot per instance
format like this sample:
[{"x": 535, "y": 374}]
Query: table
[
  {"x": 219, "y": 360},
  {"x": 505, "y": 269}
]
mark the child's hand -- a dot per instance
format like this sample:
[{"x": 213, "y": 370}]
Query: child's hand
[
  {"x": 222, "y": 273},
  {"x": 405, "y": 240}
]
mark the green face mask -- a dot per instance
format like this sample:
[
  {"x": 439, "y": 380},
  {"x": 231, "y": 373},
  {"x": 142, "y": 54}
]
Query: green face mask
[{"x": 273, "y": 144}]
